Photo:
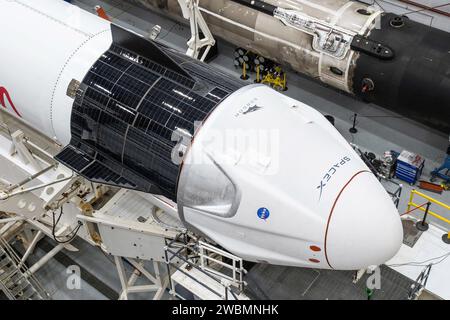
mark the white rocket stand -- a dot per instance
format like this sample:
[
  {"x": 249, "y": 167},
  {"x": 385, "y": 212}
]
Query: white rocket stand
[
  {"x": 157, "y": 284},
  {"x": 192, "y": 13}
]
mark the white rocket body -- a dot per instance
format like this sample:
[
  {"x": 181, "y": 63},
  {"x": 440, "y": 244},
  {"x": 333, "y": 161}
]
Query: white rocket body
[
  {"x": 56, "y": 43},
  {"x": 298, "y": 196}
]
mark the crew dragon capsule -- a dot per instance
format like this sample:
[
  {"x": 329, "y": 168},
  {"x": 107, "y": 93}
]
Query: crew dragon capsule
[
  {"x": 134, "y": 114},
  {"x": 380, "y": 57}
]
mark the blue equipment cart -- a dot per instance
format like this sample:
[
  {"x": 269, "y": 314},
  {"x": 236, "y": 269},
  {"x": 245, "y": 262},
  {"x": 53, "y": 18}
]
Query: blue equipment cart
[{"x": 409, "y": 167}]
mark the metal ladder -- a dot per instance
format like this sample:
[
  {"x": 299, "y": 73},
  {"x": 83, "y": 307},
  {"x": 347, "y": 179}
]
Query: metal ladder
[{"x": 16, "y": 282}]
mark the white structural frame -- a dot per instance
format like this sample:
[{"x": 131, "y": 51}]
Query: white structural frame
[
  {"x": 191, "y": 12},
  {"x": 39, "y": 171},
  {"x": 158, "y": 284}
]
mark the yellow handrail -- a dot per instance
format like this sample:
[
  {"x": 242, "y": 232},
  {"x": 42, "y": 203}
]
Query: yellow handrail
[
  {"x": 430, "y": 199},
  {"x": 434, "y": 214}
]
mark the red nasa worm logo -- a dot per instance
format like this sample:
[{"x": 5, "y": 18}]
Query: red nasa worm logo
[{"x": 4, "y": 94}]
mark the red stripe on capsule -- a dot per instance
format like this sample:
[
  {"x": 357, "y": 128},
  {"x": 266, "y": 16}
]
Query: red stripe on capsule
[{"x": 332, "y": 210}]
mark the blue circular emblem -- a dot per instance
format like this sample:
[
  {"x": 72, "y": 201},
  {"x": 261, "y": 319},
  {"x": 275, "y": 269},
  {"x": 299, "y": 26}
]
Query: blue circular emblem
[{"x": 263, "y": 213}]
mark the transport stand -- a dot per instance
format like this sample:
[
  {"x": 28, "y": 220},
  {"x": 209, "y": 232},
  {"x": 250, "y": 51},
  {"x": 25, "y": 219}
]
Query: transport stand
[
  {"x": 135, "y": 235},
  {"x": 145, "y": 235},
  {"x": 158, "y": 283},
  {"x": 191, "y": 12}
]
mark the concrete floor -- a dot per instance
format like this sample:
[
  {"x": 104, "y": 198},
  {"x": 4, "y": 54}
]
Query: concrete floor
[
  {"x": 286, "y": 283},
  {"x": 379, "y": 130}
]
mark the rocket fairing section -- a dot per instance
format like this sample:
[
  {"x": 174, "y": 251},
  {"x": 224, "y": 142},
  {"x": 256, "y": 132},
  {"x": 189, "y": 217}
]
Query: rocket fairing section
[
  {"x": 134, "y": 114},
  {"x": 380, "y": 57}
]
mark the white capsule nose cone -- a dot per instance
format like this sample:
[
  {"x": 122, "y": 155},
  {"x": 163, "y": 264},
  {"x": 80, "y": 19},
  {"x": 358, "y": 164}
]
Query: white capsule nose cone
[{"x": 364, "y": 226}]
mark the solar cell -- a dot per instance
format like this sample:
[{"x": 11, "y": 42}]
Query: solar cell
[{"x": 127, "y": 109}]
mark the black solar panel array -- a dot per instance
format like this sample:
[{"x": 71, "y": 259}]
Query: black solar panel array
[{"x": 126, "y": 111}]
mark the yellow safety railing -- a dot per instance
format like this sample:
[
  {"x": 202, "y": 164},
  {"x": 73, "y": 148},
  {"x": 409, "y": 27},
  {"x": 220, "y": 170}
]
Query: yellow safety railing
[{"x": 426, "y": 208}]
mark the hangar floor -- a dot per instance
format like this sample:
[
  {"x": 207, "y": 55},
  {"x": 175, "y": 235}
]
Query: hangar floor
[
  {"x": 379, "y": 130},
  {"x": 275, "y": 282}
]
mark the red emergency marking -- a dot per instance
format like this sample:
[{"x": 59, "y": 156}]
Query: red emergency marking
[{"x": 4, "y": 94}]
